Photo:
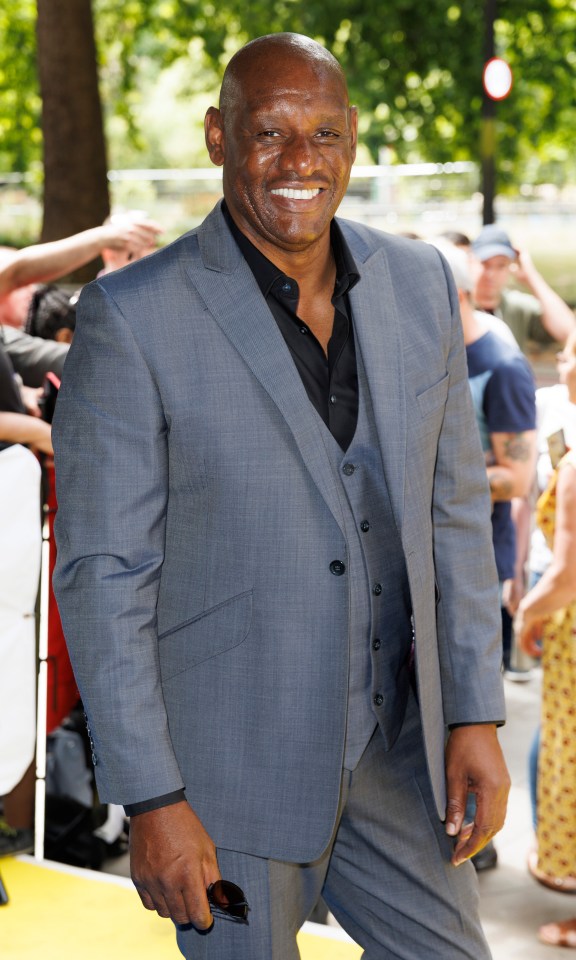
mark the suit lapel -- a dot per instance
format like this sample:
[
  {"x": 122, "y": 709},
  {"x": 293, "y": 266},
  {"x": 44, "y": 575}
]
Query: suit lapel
[
  {"x": 232, "y": 295},
  {"x": 377, "y": 326}
]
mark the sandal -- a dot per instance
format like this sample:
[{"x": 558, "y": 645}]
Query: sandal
[
  {"x": 561, "y": 934},
  {"x": 560, "y": 884}
]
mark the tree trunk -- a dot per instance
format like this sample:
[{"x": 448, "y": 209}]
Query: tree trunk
[{"x": 75, "y": 168}]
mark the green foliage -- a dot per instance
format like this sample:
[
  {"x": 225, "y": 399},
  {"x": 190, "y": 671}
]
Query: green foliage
[
  {"x": 20, "y": 136},
  {"x": 414, "y": 72}
]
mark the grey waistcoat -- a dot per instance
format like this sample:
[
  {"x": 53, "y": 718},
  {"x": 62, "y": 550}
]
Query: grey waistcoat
[{"x": 380, "y": 631}]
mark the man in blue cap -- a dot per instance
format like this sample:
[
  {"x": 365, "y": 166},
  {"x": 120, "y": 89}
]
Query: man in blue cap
[{"x": 538, "y": 315}]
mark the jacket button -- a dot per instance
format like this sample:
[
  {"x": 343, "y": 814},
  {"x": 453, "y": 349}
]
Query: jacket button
[
  {"x": 348, "y": 469},
  {"x": 337, "y": 568},
  {"x": 376, "y": 644},
  {"x": 364, "y": 526},
  {"x": 377, "y": 589},
  {"x": 378, "y": 700}
]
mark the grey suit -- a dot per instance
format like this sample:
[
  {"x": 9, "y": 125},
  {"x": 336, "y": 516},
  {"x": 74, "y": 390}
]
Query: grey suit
[{"x": 199, "y": 516}]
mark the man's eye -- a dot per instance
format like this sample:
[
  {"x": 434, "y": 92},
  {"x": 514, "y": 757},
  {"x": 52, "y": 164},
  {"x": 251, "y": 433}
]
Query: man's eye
[{"x": 268, "y": 134}]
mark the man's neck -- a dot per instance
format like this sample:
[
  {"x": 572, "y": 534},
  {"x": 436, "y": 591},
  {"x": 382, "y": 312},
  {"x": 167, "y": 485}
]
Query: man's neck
[{"x": 472, "y": 325}]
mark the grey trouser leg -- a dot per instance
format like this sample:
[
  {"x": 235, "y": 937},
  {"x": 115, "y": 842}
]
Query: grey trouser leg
[
  {"x": 390, "y": 882},
  {"x": 386, "y": 875}
]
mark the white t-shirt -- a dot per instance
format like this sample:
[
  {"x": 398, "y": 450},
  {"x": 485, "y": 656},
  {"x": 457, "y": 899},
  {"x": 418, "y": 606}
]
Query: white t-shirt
[{"x": 553, "y": 412}]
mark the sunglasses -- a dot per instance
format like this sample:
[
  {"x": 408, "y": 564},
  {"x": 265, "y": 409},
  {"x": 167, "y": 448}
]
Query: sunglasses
[{"x": 227, "y": 901}]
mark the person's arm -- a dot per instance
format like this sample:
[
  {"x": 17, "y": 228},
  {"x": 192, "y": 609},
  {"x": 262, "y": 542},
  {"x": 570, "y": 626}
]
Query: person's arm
[
  {"x": 111, "y": 442},
  {"x": 33, "y": 357},
  {"x": 557, "y": 586},
  {"x": 514, "y": 458},
  {"x": 21, "y": 428},
  {"x": 557, "y": 317},
  {"x": 468, "y": 616},
  {"x": 475, "y": 764},
  {"x": 44, "y": 262},
  {"x": 522, "y": 519}
]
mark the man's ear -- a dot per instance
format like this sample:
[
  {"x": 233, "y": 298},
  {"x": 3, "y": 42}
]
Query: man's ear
[
  {"x": 214, "y": 134},
  {"x": 354, "y": 129}
]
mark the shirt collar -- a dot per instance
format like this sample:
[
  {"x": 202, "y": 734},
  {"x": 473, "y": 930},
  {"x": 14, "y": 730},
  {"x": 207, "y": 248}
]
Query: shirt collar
[{"x": 267, "y": 273}]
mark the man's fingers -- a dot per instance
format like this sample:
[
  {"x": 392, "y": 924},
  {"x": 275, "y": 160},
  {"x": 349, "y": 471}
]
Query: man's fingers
[
  {"x": 180, "y": 906},
  {"x": 471, "y": 840},
  {"x": 455, "y": 813}
]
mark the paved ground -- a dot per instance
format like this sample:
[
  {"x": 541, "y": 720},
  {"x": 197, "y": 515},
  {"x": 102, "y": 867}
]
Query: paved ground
[{"x": 513, "y": 905}]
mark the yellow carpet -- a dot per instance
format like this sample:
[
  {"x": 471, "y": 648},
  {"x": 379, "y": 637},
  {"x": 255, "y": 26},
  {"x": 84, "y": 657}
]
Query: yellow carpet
[{"x": 61, "y": 913}]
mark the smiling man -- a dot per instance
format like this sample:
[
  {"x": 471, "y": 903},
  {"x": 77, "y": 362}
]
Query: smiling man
[{"x": 275, "y": 570}]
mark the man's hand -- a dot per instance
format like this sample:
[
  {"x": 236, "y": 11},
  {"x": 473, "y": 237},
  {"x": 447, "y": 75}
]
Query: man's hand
[
  {"x": 134, "y": 235},
  {"x": 475, "y": 764},
  {"x": 173, "y": 862}
]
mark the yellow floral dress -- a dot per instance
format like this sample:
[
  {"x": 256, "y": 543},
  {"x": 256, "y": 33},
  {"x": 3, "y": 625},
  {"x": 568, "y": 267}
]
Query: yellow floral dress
[{"x": 557, "y": 760}]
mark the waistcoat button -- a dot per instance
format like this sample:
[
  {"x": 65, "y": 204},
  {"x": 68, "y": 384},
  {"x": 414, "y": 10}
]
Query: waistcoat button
[
  {"x": 378, "y": 700},
  {"x": 337, "y": 568},
  {"x": 364, "y": 526},
  {"x": 348, "y": 469},
  {"x": 377, "y": 589}
]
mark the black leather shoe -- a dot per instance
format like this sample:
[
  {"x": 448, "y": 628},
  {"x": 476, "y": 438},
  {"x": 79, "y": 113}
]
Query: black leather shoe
[{"x": 486, "y": 858}]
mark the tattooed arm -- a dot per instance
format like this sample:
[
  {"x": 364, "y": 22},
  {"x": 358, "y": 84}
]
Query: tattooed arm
[{"x": 511, "y": 471}]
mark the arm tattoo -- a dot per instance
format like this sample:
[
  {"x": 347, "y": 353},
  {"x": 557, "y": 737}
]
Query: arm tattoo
[
  {"x": 500, "y": 485},
  {"x": 517, "y": 448}
]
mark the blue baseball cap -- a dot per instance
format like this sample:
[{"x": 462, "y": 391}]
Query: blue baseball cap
[{"x": 493, "y": 241}]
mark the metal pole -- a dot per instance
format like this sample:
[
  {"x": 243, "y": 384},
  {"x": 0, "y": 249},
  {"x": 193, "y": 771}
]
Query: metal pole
[
  {"x": 40, "y": 808},
  {"x": 488, "y": 133}
]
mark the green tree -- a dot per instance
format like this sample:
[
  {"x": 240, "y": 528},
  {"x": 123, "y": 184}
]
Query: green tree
[
  {"x": 74, "y": 145},
  {"x": 416, "y": 75}
]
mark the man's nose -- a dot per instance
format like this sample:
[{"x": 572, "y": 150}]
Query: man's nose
[{"x": 300, "y": 155}]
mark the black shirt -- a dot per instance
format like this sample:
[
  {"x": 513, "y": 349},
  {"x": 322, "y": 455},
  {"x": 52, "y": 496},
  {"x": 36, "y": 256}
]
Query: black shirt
[
  {"x": 10, "y": 399},
  {"x": 331, "y": 381}
]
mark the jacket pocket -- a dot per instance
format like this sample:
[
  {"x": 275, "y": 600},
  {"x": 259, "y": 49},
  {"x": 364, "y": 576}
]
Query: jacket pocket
[
  {"x": 434, "y": 397},
  {"x": 206, "y": 635}
]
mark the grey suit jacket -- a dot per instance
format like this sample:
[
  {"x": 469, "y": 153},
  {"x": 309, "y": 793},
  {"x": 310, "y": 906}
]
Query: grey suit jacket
[{"x": 198, "y": 517}]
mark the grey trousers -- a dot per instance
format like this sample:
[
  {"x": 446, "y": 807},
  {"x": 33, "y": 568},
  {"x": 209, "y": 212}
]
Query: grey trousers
[{"x": 386, "y": 874}]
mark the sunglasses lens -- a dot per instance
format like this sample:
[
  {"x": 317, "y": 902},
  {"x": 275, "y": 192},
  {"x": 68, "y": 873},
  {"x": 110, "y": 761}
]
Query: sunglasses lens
[{"x": 228, "y": 898}]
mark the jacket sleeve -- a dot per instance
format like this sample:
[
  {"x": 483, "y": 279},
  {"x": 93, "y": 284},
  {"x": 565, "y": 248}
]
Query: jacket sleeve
[
  {"x": 110, "y": 441},
  {"x": 468, "y": 608}
]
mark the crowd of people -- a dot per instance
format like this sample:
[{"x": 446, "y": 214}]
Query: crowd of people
[
  {"x": 36, "y": 323},
  {"x": 527, "y": 437}
]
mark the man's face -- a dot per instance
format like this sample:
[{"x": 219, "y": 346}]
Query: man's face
[
  {"x": 490, "y": 278},
  {"x": 287, "y": 144}
]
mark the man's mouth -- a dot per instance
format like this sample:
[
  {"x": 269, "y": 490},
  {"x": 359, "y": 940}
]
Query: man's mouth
[{"x": 290, "y": 193}]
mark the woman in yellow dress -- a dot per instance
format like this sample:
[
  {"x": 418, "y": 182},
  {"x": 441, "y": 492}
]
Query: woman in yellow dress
[{"x": 549, "y": 611}]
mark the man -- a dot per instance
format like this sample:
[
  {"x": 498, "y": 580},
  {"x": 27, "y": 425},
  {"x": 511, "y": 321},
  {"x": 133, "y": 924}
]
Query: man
[
  {"x": 540, "y": 315},
  {"x": 266, "y": 455}
]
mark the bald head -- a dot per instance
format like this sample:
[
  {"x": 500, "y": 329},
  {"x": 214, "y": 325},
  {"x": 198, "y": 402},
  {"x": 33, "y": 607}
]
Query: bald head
[{"x": 258, "y": 54}]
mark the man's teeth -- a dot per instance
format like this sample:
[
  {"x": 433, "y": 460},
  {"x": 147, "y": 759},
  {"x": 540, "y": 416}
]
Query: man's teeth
[{"x": 291, "y": 194}]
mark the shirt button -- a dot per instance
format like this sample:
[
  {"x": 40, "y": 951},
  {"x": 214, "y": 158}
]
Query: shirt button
[
  {"x": 364, "y": 526},
  {"x": 377, "y": 589},
  {"x": 333, "y": 398},
  {"x": 376, "y": 643},
  {"x": 378, "y": 700},
  {"x": 286, "y": 288},
  {"x": 348, "y": 469},
  {"x": 303, "y": 329},
  {"x": 337, "y": 568}
]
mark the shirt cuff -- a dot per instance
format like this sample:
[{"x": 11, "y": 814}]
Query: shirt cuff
[
  {"x": 477, "y": 723},
  {"x": 144, "y": 806}
]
